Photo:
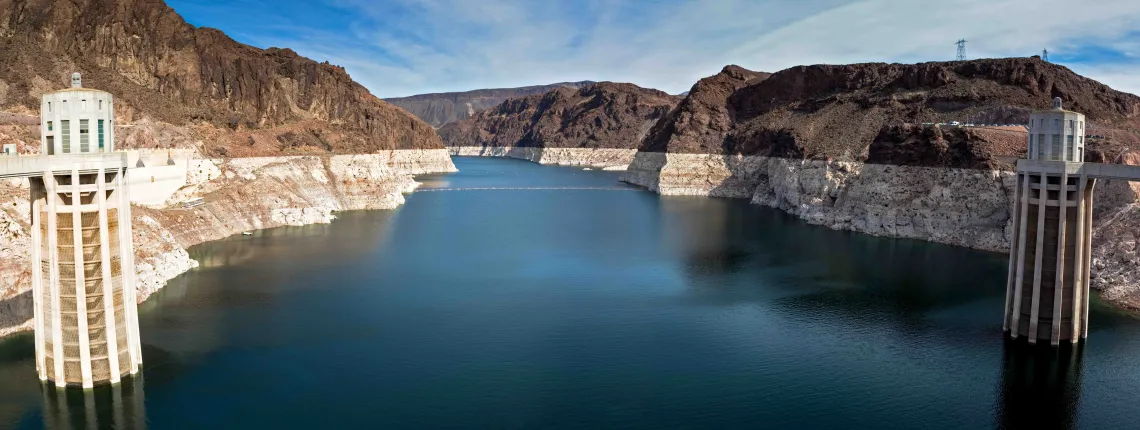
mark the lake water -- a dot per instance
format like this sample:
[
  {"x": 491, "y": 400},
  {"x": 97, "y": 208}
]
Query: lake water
[{"x": 583, "y": 309}]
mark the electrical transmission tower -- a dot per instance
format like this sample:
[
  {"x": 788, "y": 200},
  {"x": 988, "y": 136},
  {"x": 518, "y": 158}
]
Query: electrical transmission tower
[
  {"x": 1045, "y": 54},
  {"x": 961, "y": 49}
]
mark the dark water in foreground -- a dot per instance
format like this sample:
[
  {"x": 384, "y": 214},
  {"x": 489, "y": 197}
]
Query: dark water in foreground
[{"x": 587, "y": 309}]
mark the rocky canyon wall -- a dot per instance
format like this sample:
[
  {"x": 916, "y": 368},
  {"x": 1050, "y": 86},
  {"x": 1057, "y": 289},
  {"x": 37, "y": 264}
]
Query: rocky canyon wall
[
  {"x": 964, "y": 207},
  {"x": 239, "y": 195}
]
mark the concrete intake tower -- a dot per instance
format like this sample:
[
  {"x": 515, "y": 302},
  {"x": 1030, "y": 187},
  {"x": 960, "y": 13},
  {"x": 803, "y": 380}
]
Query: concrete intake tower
[
  {"x": 86, "y": 322},
  {"x": 1047, "y": 290}
]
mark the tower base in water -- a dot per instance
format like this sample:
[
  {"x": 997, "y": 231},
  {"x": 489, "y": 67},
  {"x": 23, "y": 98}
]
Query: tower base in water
[
  {"x": 86, "y": 319},
  {"x": 1047, "y": 290}
]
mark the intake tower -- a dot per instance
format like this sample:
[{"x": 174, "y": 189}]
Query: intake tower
[
  {"x": 86, "y": 323},
  {"x": 1047, "y": 290}
]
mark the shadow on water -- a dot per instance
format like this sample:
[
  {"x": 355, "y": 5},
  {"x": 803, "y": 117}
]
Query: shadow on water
[
  {"x": 119, "y": 406},
  {"x": 728, "y": 237},
  {"x": 15, "y": 310},
  {"x": 17, "y": 378},
  {"x": 1040, "y": 386}
]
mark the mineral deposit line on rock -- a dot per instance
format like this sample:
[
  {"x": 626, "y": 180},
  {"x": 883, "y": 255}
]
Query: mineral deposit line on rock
[
  {"x": 1054, "y": 179},
  {"x": 73, "y": 198}
]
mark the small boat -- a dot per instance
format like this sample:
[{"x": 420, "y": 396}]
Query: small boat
[{"x": 247, "y": 233}]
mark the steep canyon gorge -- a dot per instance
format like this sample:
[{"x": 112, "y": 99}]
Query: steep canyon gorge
[{"x": 278, "y": 139}]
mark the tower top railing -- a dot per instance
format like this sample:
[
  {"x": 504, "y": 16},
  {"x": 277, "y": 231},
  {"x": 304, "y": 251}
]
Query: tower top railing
[
  {"x": 23, "y": 166},
  {"x": 1092, "y": 170}
]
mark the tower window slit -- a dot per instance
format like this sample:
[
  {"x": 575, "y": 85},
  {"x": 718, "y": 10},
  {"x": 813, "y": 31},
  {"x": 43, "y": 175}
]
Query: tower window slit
[
  {"x": 84, "y": 144},
  {"x": 65, "y": 136}
]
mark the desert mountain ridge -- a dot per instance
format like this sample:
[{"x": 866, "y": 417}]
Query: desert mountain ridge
[
  {"x": 875, "y": 112},
  {"x": 442, "y": 108},
  {"x": 602, "y": 115},
  {"x": 180, "y": 85}
]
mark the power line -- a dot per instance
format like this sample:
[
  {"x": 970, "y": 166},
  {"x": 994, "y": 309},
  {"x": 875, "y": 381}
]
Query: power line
[
  {"x": 961, "y": 49},
  {"x": 1045, "y": 54}
]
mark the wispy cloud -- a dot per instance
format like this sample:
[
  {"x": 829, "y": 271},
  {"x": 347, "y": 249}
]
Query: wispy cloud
[{"x": 404, "y": 47}]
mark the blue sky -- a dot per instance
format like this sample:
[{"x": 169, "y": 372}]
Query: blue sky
[{"x": 404, "y": 47}]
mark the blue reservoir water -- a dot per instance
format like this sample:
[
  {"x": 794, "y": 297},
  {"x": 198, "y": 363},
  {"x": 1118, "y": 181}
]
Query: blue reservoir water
[{"x": 482, "y": 305}]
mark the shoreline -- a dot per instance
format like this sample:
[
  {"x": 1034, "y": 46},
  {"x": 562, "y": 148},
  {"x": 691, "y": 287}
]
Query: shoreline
[
  {"x": 596, "y": 158},
  {"x": 240, "y": 194},
  {"x": 837, "y": 195},
  {"x": 954, "y": 206}
]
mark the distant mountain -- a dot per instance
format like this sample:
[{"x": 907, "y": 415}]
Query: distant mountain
[
  {"x": 441, "y": 108},
  {"x": 603, "y": 115}
]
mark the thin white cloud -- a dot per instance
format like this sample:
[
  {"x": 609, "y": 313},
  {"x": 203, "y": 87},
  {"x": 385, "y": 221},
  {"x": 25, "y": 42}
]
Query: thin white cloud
[{"x": 418, "y": 46}]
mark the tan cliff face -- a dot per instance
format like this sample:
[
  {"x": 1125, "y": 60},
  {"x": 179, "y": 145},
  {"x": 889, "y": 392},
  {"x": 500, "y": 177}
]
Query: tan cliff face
[{"x": 162, "y": 69}]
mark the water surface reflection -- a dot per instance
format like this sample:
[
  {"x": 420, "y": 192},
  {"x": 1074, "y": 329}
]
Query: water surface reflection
[
  {"x": 118, "y": 406},
  {"x": 1041, "y": 386}
]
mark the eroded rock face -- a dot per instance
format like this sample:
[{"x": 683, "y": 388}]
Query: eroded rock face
[
  {"x": 699, "y": 123},
  {"x": 15, "y": 266},
  {"x": 965, "y": 207},
  {"x": 858, "y": 112},
  {"x": 162, "y": 68},
  {"x": 442, "y": 108},
  {"x": 820, "y": 112},
  {"x": 1116, "y": 217},
  {"x": 602, "y": 116}
]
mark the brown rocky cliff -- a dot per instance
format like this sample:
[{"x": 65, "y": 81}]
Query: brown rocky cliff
[
  {"x": 916, "y": 145},
  {"x": 603, "y": 115},
  {"x": 160, "y": 67},
  {"x": 699, "y": 122},
  {"x": 441, "y": 108},
  {"x": 858, "y": 112},
  {"x": 840, "y": 112}
]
